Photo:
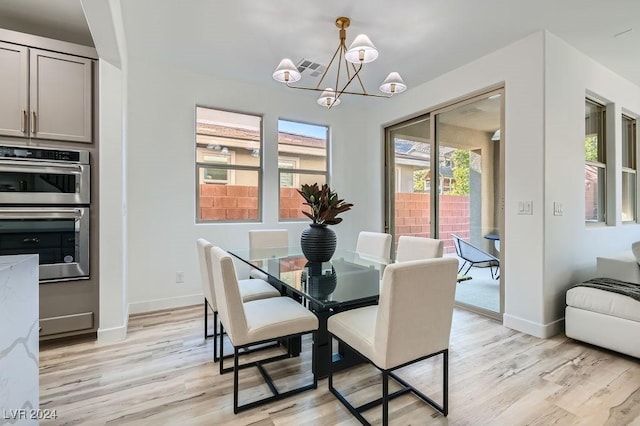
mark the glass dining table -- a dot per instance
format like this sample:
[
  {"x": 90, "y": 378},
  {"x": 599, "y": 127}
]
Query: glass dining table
[{"x": 347, "y": 281}]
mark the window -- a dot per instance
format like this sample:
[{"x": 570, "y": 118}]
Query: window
[
  {"x": 595, "y": 161},
  {"x": 288, "y": 180},
  {"x": 217, "y": 175},
  {"x": 228, "y": 165},
  {"x": 302, "y": 159},
  {"x": 629, "y": 179}
]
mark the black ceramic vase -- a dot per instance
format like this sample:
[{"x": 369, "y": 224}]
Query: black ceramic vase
[
  {"x": 318, "y": 243},
  {"x": 320, "y": 284}
]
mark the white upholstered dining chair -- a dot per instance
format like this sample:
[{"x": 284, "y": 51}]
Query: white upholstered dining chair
[
  {"x": 265, "y": 243},
  {"x": 374, "y": 244},
  {"x": 250, "y": 289},
  {"x": 256, "y": 322},
  {"x": 418, "y": 248},
  {"x": 412, "y": 322}
]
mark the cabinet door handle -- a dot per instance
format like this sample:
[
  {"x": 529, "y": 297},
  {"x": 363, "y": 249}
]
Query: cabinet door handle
[
  {"x": 23, "y": 122},
  {"x": 33, "y": 122}
]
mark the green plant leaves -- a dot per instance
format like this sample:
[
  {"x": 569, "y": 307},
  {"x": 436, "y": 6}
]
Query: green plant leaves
[{"x": 325, "y": 204}]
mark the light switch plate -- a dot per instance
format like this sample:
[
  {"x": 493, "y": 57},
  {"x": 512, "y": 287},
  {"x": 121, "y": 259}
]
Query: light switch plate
[
  {"x": 525, "y": 207},
  {"x": 557, "y": 208}
]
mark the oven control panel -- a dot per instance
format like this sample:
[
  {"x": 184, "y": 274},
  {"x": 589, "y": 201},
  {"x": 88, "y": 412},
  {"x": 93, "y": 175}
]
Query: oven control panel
[{"x": 44, "y": 154}]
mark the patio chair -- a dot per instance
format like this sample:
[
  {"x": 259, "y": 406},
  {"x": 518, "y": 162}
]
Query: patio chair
[{"x": 475, "y": 257}]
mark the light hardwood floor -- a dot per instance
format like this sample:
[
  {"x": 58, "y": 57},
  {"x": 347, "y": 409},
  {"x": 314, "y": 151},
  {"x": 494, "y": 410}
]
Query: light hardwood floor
[{"x": 163, "y": 373}]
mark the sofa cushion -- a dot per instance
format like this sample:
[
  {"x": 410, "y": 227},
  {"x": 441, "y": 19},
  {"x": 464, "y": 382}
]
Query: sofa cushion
[
  {"x": 619, "y": 266},
  {"x": 635, "y": 249},
  {"x": 604, "y": 302}
]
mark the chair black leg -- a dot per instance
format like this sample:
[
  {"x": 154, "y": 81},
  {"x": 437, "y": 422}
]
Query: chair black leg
[
  {"x": 406, "y": 388},
  {"x": 221, "y": 358},
  {"x": 314, "y": 338},
  {"x": 385, "y": 398},
  {"x": 206, "y": 320},
  {"x": 445, "y": 382},
  {"x": 218, "y": 347},
  {"x": 276, "y": 394},
  {"x": 468, "y": 269},
  {"x": 235, "y": 379},
  {"x": 206, "y": 317},
  {"x": 215, "y": 336}
]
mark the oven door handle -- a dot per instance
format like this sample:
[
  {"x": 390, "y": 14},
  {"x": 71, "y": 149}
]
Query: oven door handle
[
  {"x": 34, "y": 167},
  {"x": 18, "y": 213}
]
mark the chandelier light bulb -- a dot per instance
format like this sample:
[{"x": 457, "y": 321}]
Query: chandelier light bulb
[
  {"x": 286, "y": 72},
  {"x": 361, "y": 51},
  {"x": 328, "y": 98},
  {"x": 393, "y": 84}
]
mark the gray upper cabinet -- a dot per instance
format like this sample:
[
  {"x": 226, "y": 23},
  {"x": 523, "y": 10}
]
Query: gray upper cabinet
[
  {"x": 61, "y": 96},
  {"x": 14, "y": 89},
  {"x": 45, "y": 95}
]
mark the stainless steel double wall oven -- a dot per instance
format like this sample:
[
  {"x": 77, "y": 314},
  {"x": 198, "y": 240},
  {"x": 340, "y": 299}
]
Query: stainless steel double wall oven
[{"x": 44, "y": 208}]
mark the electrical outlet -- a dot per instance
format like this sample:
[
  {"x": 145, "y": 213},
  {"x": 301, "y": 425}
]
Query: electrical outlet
[{"x": 179, "y": 277}]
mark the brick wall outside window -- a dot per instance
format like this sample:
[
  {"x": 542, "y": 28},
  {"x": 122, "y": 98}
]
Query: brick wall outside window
[
  {"x": 237, "y": 202},
  {"x": 413, "y": 216}
]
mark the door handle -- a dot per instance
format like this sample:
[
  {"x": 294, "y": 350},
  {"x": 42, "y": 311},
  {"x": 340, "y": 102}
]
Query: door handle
[
  {"x": 23, "y": 121},
  {"x": 34, "y": 240},
  {"x": 33, "y": 122}
]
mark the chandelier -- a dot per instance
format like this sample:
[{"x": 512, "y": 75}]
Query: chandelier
[{"x": 349, "y": 64}]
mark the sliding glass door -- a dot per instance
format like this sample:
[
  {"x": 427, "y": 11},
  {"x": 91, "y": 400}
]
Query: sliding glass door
[
  {"x": 467, "y": 139},
  {"x": 409, "y": 149},
  {"x": 444, "y": 181}
]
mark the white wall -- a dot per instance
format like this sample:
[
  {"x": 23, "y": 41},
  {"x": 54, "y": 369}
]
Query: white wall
[
  {"x": 571, "y": 247},
  {"x": 162, "y": 187},
  {"x": 520, "y": 67},
  {"x": 113, "y": 313},
  {"x": 105, "y": 20},
  {"x": 543, "y": 151},
  {"x": 545, "y": 82}
]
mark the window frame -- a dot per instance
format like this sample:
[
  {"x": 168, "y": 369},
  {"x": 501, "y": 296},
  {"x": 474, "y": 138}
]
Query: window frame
[
  {"x": 601, "y": 164},
  {"x": 633, "y": 159},
  {"x": 295, "y": 161},
  {"x": 231, "y": 174},
  {"x": 232, "y": 167}
]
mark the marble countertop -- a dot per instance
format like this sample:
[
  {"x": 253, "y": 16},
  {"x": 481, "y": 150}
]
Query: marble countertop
[
  {"x": 19, "y": 301},
  {"x": 6, "y": 261}
]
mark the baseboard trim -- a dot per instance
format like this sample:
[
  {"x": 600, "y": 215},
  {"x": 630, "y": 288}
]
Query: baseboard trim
[
  {"x": 167, "y": 303},
  {"x": 111, "y": 335},
  {"x": 114, "y": 334},
  {"x": 543, "y": 331}
]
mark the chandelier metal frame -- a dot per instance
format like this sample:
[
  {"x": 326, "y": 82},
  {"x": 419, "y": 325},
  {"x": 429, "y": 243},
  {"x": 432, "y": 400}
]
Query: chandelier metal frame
[{"x": 349, "y": 62}]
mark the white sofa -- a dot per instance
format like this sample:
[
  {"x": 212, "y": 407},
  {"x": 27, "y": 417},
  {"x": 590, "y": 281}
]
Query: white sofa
[{"x": 603, "y": 318}]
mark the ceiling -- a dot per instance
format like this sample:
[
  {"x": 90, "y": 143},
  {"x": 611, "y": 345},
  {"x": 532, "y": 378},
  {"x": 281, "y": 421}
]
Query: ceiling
[
  {"x": 421, "y": 39},
  {"x": 59, "y": 19}
]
